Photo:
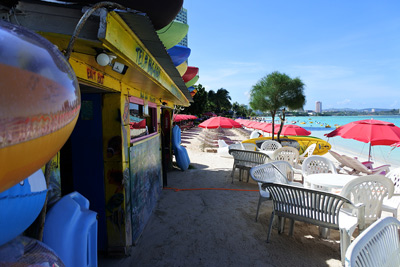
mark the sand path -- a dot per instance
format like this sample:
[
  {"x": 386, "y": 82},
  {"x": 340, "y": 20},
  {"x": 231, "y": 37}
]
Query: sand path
[{"x": 217, "y": 227}]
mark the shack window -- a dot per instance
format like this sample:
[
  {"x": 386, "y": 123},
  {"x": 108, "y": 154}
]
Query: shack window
[{"x": 143, "y": 118}]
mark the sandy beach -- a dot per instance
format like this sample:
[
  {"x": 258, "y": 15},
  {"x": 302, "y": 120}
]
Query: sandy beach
[{"x": 202, "y": 219}]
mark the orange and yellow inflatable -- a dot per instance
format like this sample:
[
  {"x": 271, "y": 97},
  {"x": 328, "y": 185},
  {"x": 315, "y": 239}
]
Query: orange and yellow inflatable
[{"x": 39, "y": 103}]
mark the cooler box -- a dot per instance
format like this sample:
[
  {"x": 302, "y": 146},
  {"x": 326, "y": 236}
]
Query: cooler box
[{"x": 70, "y": 230}]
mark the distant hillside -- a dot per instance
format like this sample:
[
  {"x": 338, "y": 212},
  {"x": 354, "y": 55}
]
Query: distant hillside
[{"x": 358, "y": 110}]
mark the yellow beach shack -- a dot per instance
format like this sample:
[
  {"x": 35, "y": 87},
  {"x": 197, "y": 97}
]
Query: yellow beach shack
[{"x": 119, "y": 151}]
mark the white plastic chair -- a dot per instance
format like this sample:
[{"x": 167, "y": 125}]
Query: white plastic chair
[
  {"x": 222, "y": 143},
  {"x": 287, "y": 153},
  {"x": 308, "y": 152},
  {"x": 244, "y": 146},
  {"x": 223, "y": 149},
  {"x": 245, "y": 160},
  {"x": 369, "y": 190},
  {"x": 270, "y": 145},
  {"x": 249, "y": 146},
  {"x": 378, "y": 245},
  {"x": 254, "y": 134},
  {"x": 272, "y": 172},
  {"x": 392, "y": 204},
  {"x": 316, "y": 164}
]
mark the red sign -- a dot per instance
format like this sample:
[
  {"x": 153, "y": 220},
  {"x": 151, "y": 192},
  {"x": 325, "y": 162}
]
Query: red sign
[{"x": 95, "y": 76}]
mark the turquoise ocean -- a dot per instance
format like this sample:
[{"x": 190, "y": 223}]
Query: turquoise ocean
[{"x": 317, "y": 126}]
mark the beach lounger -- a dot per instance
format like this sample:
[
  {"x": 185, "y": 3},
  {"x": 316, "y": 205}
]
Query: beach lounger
[
  {"x": 342, "y": 163},
  {"x": 354, "y": 166},
  {"x": 359, "y": 168}
]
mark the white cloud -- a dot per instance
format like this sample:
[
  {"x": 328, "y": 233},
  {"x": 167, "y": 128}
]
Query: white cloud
[
  {"x": 344, "y": 102},
  {"x": 236, "y": 77},
  {"x": 359, "y": 87},
  {"x": 322, "y": 72},
  {"x": 327, "y": 83},
  {"x": 395, "y": 104}
]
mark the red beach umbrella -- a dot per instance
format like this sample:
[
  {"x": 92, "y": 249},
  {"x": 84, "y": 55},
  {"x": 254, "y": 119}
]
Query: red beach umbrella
[
  {"x": 287, "y": 129},
  {"x": 259, "y": 125},
  {"x": 219, "y": 122},
  {"x": 397, "y": 144},
  {"x": 374, "y": 132},
  {"x": 245, "y": 122},
  {"x": 178, "y": 118},
  {"x": 291, "y": 129},
  {"x": 182, "y": 117},
  {"x": 268, "y": 128},
  {"x": 252, "y": 124}
]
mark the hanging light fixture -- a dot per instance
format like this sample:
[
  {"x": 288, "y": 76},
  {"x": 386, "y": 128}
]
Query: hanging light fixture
[{"x": 104, "y": 59}]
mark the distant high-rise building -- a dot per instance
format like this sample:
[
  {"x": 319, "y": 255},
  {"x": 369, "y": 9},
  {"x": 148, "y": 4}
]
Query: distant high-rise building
[
  {"x": 318, "y": 106},
  {"x": 182, "y": 17}
]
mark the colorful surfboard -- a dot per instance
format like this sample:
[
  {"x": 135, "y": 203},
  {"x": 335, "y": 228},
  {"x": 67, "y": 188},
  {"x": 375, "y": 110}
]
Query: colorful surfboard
[
  {"x": 179, "y": 54},
  {"x": 190, "y": 73},
  {"x": 192, "y": 81},
  {"x": 173, "y": 33},
  {"x": 192, "y": 93},
  {"x": 182, "y": 68},
  {"x": 300, "y": 142}
]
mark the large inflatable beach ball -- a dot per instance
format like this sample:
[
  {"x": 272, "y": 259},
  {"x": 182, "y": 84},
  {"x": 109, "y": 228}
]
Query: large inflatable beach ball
[
  {"x": 20, "y": 205},
  {"x": 39, "y": 103}
]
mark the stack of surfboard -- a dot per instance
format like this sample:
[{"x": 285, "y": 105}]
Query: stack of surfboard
[{"x": 171, "y": 35}]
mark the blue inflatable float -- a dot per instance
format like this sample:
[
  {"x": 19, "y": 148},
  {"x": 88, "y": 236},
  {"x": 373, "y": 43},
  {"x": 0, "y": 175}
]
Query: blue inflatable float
[
  {"x": 20, "y": 205},
  {"x": 181, "y": 155}
]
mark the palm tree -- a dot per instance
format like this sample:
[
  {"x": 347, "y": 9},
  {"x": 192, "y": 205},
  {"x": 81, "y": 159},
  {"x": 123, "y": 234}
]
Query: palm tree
[
  {"x": 220, "y": 100},
  {"x": 277, "y": 91}
]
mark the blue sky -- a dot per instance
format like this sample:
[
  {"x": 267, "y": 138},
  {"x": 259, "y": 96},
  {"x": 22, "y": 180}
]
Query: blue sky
[{"x": 347, "y": 52}]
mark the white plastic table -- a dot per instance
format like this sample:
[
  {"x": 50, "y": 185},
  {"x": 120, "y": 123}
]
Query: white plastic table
[{"x": 329, "y": 181}]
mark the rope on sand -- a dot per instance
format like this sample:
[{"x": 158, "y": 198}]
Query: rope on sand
[{"x": 192, "y": 189}]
